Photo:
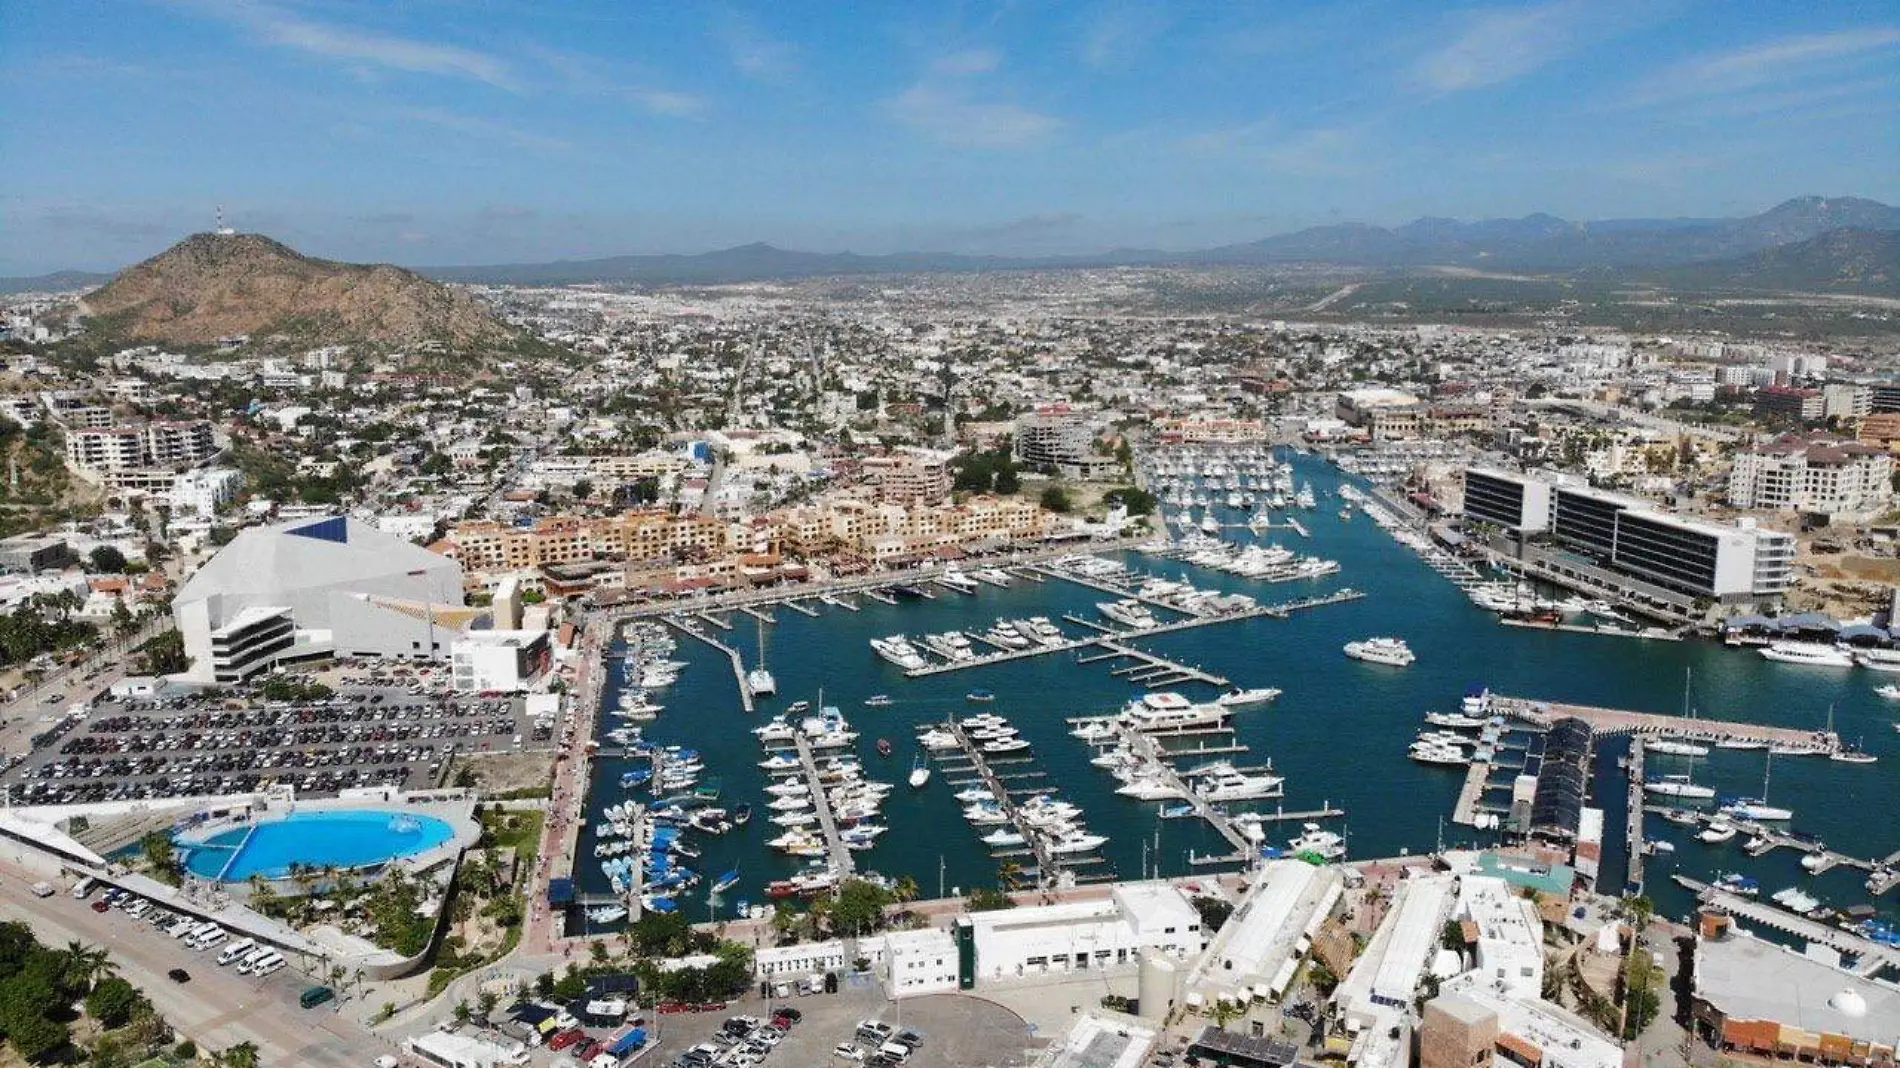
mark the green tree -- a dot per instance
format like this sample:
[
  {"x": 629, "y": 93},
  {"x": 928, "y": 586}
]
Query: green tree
[
  {"x": 242, "y": 1055},
  {"x": 111, "y": 1002},
  {"x": 1056, "y": 499},
  {"x": 1007, "y": 480},
  {"x": 107, "y": 559},
  {"x": 858, "y": 907},
  {"x": 85, "y": 965},
  {"x": 37, "y": 1038}
]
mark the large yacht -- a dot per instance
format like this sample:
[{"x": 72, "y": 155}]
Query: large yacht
[
  {"x": 1390, "y": 651},
  {"x": 1318, "y": 841},
  {"x": 1234, "y": 785},
  {"x": 1170, "y": 711},
  {"x": 1130, "y": 613},
  {"x": 761, "y": 682},
  {"x": 1257, "y": 695},
  {"x": 1809, "y": 654},
  {"x": 899, "y": 651}
]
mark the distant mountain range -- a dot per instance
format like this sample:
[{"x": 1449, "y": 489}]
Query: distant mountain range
[{"x": 1703, "y": 252}]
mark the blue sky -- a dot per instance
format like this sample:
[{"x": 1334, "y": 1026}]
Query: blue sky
[{"x": 469, "y": 131}]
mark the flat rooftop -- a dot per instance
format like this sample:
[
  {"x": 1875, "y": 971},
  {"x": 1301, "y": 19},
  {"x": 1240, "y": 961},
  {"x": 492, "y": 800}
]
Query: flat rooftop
[
  {"x": 1271, "y": 921},
  {"x": 1098, "y": 1043},
  {"x": 1749, "y": 978}
]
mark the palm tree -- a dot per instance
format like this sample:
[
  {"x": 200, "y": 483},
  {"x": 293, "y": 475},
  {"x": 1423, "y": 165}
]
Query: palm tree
[
  {"x": 906, "y": 889},
  {"x": 242, "y": 1055},
  {"x": 86, "y": 965}
]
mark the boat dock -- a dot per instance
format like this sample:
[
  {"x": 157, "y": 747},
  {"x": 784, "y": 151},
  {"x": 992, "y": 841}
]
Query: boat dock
[
  {"x": 1471, "y": 794},
  {"x": 1634, "y": 877},
  {"x": 722, "y": 624},
  {"x": 1157, "y": 755},
  {"x": 1656, "y": 634},
  {"x": 1620, "y": 721},
  {"x": 836, "y": 601},
  {"x": 738, "y": 663},
  {"x": 761, "y": 616},
  {"x": 1151, "y": 670},
  {"x": 1033, "y": 844},
  {"x": 1766, "y": 839},
  {"x": 1092, "y": 583},
  {"x": 1873, "y": 955},
  {"x": 802, "y": 608},
  {"x": 878, "y": 595},
  {"x": 1114, "y": 637},
  {"x": 839, "y": 856}
]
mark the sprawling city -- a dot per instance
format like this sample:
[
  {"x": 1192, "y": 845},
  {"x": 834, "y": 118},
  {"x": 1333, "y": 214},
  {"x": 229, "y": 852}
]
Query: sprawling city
[{"x": 1427, "y": 644}]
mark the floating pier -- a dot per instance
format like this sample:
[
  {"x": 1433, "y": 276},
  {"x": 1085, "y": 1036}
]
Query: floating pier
[
  {"x": 1637, "y": 801},
  {"x": 802, "y": 608},
  {"x": 1873, "y": 955}
]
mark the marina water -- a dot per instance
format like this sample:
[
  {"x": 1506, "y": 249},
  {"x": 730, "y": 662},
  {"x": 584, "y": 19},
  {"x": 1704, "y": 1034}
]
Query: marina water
[{"x": 1338, "y": 733}]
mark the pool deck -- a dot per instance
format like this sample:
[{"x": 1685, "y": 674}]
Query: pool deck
[{"x": 451, "y": 807}]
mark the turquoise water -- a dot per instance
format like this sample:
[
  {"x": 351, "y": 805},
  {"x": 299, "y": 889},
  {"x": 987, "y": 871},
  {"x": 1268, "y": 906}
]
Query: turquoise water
[
  {"x": 1339, "y": 732},
  {"x": 345, "y": 839}
]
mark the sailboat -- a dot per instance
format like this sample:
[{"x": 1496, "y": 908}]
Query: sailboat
[
  {"x": 759, "y": 682},
  {"x": 1682, "y": 786},
  {"x": 1758, "y": 808},
  {"x": 919, "y": 772},
  {"x": 726, "y": 881}
]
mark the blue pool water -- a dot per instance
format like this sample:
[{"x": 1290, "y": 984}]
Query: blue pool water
[{"x": 348, "y": 839}]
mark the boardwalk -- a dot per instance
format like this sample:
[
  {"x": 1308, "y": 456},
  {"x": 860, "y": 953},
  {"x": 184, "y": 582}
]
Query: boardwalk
[
  {"x": 1045, "y": 861},
  {"x": 1636, "y": 803},
  {"x": 1620, "y": 721}
]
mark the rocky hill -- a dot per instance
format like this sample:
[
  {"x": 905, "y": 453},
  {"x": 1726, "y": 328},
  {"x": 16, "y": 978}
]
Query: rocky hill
[
  {"x": 1848, "y": 260},
  {"x": 210, "y": 286}
]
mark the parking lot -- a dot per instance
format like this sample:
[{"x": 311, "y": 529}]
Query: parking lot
[
  {"x": 388, "y": 736},
  {"x": 950, "y": 1031}
]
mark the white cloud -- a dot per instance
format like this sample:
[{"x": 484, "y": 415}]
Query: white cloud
[
  {"x": 284, "y": 29},
  {"x": 1807, "y": 57},
  {"x": 952, "y": 116},
  {"x": 1504, "y": 44},
  {"x": 1116, "y": 33}
]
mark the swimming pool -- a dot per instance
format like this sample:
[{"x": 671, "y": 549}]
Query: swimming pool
[{"x": 344, "y": 839}]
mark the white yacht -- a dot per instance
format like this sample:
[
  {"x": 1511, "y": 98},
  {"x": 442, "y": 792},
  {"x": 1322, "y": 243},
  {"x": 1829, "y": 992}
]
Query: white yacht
[
  {"x": 957, "y": 580},
  {"x": 1210, "y": 525},
  {"x": 898, "y": 650},
  {"x": 760, "y": 682},
  {"x": 1232, "y": 785},
  {"x": 1075, "y": 842},
  {"x": 1680, "y": 786},
  {"x": 1890, "y": 691},
  {"x": 1094, "y": 730},
  {"x": 1757, "y": 808},
  {"x": 1171, "y": 711},
  {"x": 1316, "y": 840},
  {"x": 1130, "y": 613},
  {"x": 1809, "y": 654},
  {"x": 1257, "y": 695},
  {"x": 1436, "y": 753},
  {"x": 1718, "y": 830},
  {"x": 1675, "y": 747},
  {"x": 1390, "y": 651},
  {"x": 919, "y": 773}
]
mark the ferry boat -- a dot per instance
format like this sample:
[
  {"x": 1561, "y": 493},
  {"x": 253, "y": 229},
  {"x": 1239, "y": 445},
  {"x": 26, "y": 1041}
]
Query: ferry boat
[
  {"x": 1808, "y": 654},
  {"x": 1392, "y": 652},
  {"x": 1131, "y": 613},
  {"x": 1877, "y": 659}
]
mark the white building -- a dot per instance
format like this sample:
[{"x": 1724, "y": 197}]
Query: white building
[
  {"x": 1510, "y": 950},
  {"x": 1082, "y": 935},
  {"x": 448, "y": 1050},
  {"x": 1837, "y": 480},
  {"x": 314, "y": 588},
  {"x": 1378, "y": 992},
  {"x": 206, "y": 491},
  {"x": 920, "y": 962},
  {"x": 1259, "y": 948},
  {"x": 498, "y": 661}
]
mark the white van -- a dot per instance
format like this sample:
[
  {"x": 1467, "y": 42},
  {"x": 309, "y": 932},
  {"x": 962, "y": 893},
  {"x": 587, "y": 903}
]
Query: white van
[
  {"x": 209, "y": 938},
  {"x": 268, "y": 965},
  {"x": 235, "y": 950},
  {"x": 249, "y": 960},
  {"x": 895, "y": 1050},
  {"x": 84, "y": 887}
]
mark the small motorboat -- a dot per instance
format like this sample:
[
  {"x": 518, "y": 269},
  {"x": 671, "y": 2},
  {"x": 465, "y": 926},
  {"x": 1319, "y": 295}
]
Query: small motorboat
[
  {"x": 980, "y": 696},
  {"x": 884, "y": 747},
  {"x": 919, "y": 773},
  {"x": 878, "y": 700}
]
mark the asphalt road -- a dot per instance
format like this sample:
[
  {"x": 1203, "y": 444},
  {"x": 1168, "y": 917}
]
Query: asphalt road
[{"x": 218, "y": 1008}]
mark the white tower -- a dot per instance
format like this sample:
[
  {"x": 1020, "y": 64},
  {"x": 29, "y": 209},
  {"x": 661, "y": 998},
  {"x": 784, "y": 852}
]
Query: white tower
[{"x": 223, "y": 230}]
